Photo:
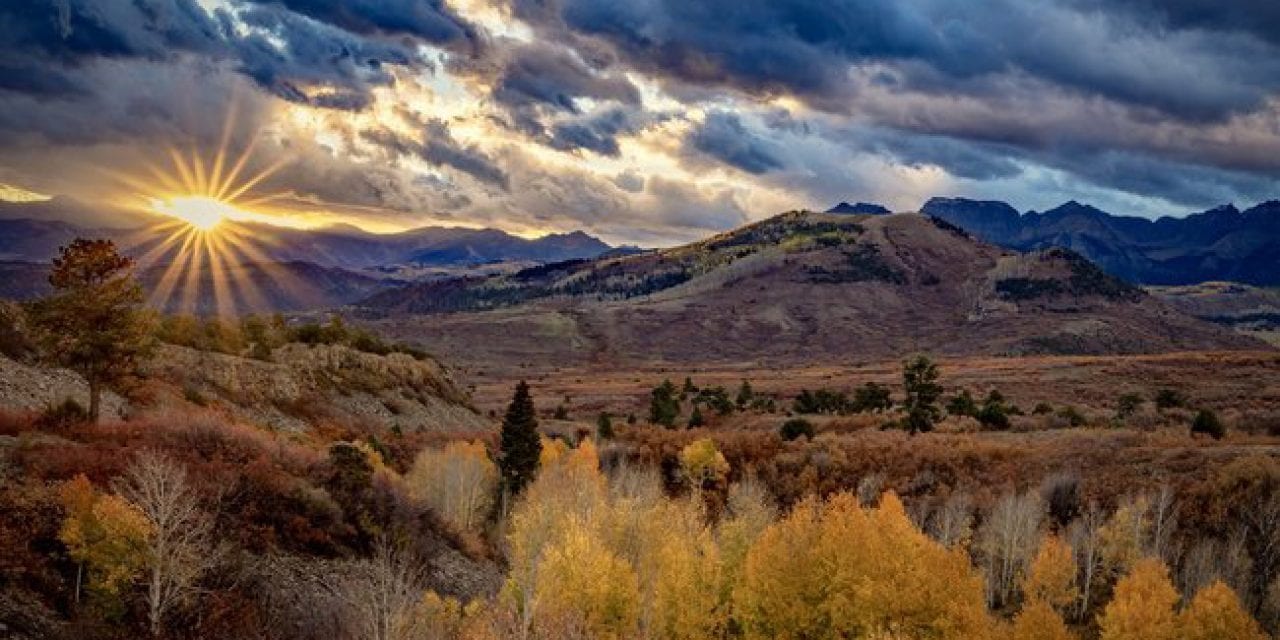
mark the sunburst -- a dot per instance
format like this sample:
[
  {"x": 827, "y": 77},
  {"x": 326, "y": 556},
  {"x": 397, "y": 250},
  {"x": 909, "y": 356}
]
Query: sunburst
[{"x": 196, "y": 253}]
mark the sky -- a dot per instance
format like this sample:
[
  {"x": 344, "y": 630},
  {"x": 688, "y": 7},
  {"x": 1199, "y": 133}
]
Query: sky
[{"x": 649, "y": 122}]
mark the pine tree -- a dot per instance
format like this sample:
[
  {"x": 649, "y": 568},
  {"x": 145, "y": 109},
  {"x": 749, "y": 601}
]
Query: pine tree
[
  {"x": 695, "y": 418},
  {"x": 920, "y": 384},
  {"x": 604, "y": 426},
  {"x": 94, "y": 322},
  {"x": 663, "y": 406},
  {"x": 745, "y": 395},
  {"x": 520, "y": 446}
]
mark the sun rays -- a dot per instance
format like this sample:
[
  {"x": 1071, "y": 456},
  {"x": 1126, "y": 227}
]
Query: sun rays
[{"x": 204, "y": 256}]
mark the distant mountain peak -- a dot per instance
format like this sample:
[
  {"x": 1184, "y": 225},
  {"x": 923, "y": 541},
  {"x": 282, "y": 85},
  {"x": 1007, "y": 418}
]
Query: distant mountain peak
[{"x": 860, "y": 208}]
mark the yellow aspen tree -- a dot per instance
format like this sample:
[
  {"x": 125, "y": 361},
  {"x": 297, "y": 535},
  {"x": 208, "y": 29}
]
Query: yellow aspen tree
[
  {"x": 458, "y": 482},
  {"x": 582, "y": 579},
  {"x": 784, "y": 585},
  {"x": 687, "y": 603},
  {"x": 1215, "y": 613},
  {"x": 1142, "y": 606},
  {"x": 569, "y": 488},
  {"x": 105, "y": 533},
  {"x": 703, "y": 463},
  {"x": 1124, "y": 536},
  {"x": 902, "y": 581},
  {"x": 1051, "y": 577},
  {"x": 750, "y": 511},
  {"x": 1039, "y": 621}
]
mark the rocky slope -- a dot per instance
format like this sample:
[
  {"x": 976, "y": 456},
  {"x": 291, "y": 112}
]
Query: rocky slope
[
  {"x": 300, "y": 388},
  {"x": 800, "y": 287}
]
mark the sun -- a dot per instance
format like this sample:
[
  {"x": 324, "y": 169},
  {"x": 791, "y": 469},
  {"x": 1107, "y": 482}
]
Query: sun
[{"x": 202, "y": 212}]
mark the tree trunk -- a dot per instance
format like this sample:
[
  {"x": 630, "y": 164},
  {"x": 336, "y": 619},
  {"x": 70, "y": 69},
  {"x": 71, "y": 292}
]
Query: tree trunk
[{"x": 95, "y": 398}]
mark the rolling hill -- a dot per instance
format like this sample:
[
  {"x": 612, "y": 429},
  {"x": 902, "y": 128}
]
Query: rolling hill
[
  {"x": 1223, "y": 243},
  {"x": 797, "y": 287}
]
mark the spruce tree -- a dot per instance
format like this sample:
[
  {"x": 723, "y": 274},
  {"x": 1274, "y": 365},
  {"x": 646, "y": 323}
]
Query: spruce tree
[
  {"x": 920, "y": 384},
  {"x": 664, "y": 408},
  {"x": 695, "y": 418},
  {"x": 604, "y": 426},
  {"x": 94, "y": 322},
  {"x": 745, "y": 395},
  {"x": 521, "y": 447}
]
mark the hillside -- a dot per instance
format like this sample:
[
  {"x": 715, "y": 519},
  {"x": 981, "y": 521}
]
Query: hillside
[
  {"x": 300, "y": 388},
  {"x": 1223, "y": 243},
  {"x": 1251, "y": 310},
  {"x": 797, "y": 287}
]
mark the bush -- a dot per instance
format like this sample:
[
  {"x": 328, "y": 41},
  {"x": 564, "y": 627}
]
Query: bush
[
  {"x": 1170, "y": 399},
  {"x": 1073, "y": 416},
  {"x": 871, "y": 397},
  {"x": 962, "y": 404},
  {"x": 795, "y": 428},
  {"x": 994, "y": 413},
  {"x": 1208, "y": 422},
  {"x": 1042, "y": 409},
  {"x": 67, "y": 413}
]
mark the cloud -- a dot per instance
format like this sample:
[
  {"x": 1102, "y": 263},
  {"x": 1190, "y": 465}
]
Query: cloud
[
  {"x": 722, "y": 136},
  {"x": 437, "y": 146}
]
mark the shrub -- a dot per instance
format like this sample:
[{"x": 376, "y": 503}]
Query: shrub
[
  {"x": 1208, "y": 422},
  {"x": 994, "y": 413},
  {"x": 962, "y": 404},
  {"x": 67, "y": 413},
  {"x": 1042, "y": 409},
  {"x": 1127, "y": 405},
  {"x": 871, "y": 397},
  {"x": 1073, "y": 416},
  {"x": 795, "y": 428},
  {"x": 1169, "y": 399}
]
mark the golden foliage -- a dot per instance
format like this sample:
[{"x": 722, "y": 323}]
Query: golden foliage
[
  {"x": 1215, "y": 613},
  {"x": 703, "y": 463},
  {"x": 1051, "y": 578},
  {"x": 836, "y": 570},
  {"x": 457, "y": 482},
  {"x": 581, "y": 577},
  {"x": 1039, "y": 621},
  {"x": 1142, "y": 607},
  {"x": 104, "y": 532}
]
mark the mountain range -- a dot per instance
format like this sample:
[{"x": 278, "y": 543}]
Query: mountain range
[
  {"x": 33, "y": 232},
  {"x": 1223, "y": 243},
  {"x": 798, "y": 287}
]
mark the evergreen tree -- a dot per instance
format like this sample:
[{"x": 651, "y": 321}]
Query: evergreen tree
[
  {"x": 921, "y": 388},
  {"x": 695, "y": 418},
  {"x": 604, "y": 426},
  {"x": 520, "y": 447},
  {"x": 664, "y": 408},
  {"x": 962, "y": 404},
  {"x": 94, "y": 323},
  {"x": 745, "y": 395}
]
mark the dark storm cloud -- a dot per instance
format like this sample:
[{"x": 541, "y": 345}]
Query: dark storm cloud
[
  {"x": 598, "y": 133},
  {"x": 324, "y": 53},
  {"x": 536, "y": 74},
  {"x": 723, "y": 137},
  {"x": 429, "y": 20},
  {"x": 285, "y": 53},
  {"x": 806, "y": 48},
  {"x": 437, "y": 146}
]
